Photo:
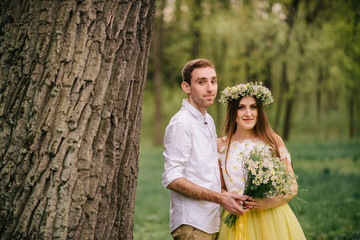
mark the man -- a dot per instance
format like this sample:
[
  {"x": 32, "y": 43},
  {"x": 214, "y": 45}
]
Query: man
[{"x": 191, "y": 168}]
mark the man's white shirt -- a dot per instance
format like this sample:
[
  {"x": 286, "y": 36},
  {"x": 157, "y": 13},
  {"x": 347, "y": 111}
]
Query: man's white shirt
[{"x": 191, "y": 152}]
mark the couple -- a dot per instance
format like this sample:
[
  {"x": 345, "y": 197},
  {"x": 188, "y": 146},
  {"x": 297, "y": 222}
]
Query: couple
[{"x": 204, "y": 173}]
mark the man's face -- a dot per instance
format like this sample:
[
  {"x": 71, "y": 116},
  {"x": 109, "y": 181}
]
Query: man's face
[{"x": 203, "y": 89}]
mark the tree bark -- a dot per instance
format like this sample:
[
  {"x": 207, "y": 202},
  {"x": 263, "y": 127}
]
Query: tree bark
[{"x": 72, "y": 76}]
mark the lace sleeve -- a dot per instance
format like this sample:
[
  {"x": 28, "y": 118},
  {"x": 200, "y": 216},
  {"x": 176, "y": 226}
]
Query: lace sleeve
[
  {"x": 284, "y": 154},
  {"x": 221, "y": 154}
]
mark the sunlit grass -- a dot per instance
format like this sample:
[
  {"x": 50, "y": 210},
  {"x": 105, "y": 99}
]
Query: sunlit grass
[
  {"x": 327, "y": 206},
  {"x": 152, "y": 200}
]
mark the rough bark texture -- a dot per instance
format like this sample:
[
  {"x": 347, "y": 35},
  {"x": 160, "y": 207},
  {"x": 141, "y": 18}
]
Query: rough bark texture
[{"x": 72, "y": 76}]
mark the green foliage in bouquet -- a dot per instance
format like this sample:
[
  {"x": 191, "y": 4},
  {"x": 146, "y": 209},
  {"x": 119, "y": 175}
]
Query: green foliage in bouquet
[{"x": 266, "y": 176}]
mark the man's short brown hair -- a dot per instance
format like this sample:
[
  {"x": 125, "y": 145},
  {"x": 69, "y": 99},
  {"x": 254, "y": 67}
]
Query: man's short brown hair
[{"x": 191, "y": 65}]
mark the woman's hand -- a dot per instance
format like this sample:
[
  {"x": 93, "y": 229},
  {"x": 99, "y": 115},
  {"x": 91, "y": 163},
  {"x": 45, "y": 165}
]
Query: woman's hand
[
  {"x": 233, "y": 203},
  {"x": 262, "y": 204}
]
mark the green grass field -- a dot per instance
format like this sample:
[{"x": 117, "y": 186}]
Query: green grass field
[{"x": 327, "y": 206}]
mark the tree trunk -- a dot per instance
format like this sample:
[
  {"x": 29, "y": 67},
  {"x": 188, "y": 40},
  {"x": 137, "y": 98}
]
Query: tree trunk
[
  {"x": 220, "y": 63},
  {"x": 72, "y": 76},
  {"x": 288, "y": 118},
  {"x": 158, "y": 44},
  {"x": 292, "y": 12},
  {"x": 249, "y": 74},
  {"x": 281, "y": 99},
  {"x": 351, "y": 117},
  {"x": 196, "y": 28},
  {"x": 318, "y": 93},
  {"x": 268, "y": 77},
  {"x": 290, "y": 99}
]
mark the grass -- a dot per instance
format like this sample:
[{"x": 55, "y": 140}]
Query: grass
[
  {"x": 152, "y": 201},
  {"x": 327, "y": 206}
]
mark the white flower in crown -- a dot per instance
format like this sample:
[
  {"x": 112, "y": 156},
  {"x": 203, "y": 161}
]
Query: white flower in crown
[{"x": 256, "y": 90}]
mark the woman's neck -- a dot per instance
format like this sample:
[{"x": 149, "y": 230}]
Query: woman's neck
[{"x": 244, "y": 134}]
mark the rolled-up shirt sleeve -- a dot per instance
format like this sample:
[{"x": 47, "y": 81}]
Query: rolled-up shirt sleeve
[{"x": 177, "y": 144}]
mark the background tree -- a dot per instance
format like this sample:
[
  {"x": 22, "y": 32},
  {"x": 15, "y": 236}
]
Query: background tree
[
  {"x": 305, "y": 51},
  {"x": 313, "y": 72},
  {"x": 72, "y": 76},
  {"x": 158, "y": 59}
]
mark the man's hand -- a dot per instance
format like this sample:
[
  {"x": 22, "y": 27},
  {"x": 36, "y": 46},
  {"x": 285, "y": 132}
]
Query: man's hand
[{"x": 232, "y": 202}]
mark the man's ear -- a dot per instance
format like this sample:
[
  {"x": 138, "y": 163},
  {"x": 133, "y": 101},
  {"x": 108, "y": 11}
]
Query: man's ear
[{"x": 186, "y": 87}]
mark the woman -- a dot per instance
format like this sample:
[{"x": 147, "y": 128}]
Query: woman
[{"x": 247, "y": 126}]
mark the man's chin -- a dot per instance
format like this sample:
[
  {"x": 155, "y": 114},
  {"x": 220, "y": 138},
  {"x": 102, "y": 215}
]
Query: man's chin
[{"x": 209, "y": 102}]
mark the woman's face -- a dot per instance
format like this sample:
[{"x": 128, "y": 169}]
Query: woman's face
[{"x": 247, "y": 113}]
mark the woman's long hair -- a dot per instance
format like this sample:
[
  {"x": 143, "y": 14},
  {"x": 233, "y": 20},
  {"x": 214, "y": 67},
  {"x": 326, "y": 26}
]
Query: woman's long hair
[{"x": 262, "y": 128}]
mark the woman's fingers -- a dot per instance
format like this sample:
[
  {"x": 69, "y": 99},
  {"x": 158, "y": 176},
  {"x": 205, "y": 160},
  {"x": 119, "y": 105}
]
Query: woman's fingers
[{"x": 252, "y": 205}]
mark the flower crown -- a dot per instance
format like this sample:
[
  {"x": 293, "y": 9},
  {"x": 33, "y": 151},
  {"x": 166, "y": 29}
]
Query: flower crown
[{"x": 249, "y": 89}]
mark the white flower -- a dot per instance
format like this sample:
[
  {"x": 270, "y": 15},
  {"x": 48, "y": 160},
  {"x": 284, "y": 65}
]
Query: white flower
[{"x": 249, "y": 89}]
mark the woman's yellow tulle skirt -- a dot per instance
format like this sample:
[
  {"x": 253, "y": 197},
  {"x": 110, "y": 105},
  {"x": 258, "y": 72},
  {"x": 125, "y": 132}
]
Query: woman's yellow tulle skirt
[{"x": 279, "y": 223}]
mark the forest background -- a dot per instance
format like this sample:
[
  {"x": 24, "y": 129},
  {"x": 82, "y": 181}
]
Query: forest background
[{"x": 308, "y": 53}]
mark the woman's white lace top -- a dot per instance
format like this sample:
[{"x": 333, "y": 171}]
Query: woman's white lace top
[{"x": 235, "y": 176}]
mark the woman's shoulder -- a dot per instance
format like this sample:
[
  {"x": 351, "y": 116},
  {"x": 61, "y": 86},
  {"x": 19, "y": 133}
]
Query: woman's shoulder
[
  {"x": 221, "y": 143},
  {"x": 280, "y": 141},
  {"x": 284, "y": 154}
]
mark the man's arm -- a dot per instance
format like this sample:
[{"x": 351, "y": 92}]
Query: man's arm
[{"x": 229, "y": 200}]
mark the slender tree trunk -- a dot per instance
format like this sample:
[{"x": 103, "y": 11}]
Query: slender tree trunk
[
  {"x": 173, "y": 78},
  {"x": 195, "y": 28},
  {"x": 220, "y": 63},
  {"x": 158, "y": 44},
  {"x": 292, "y": 11},
  {"x": 351, "y": 117},
  {"x": 281, "y": 98},
  {"x": 318, "y": 93},
  {"x": 72, "y": 76},
  {"x": 290, "y": 99},
  {"x": 288, "y": 118},
  {"x": 268, "y": 80},
  {"x": 250, "y": 76}
]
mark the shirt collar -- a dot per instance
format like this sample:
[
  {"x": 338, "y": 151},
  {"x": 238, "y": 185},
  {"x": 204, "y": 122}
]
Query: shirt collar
[{"x": 198, "y": 115}]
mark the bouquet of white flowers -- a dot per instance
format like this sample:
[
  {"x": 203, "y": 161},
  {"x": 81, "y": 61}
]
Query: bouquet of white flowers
[{"x": 266, "y": 176}]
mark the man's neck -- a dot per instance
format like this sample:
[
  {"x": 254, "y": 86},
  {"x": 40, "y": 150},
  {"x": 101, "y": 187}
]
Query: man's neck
[{"x": 202, "y": 110}]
